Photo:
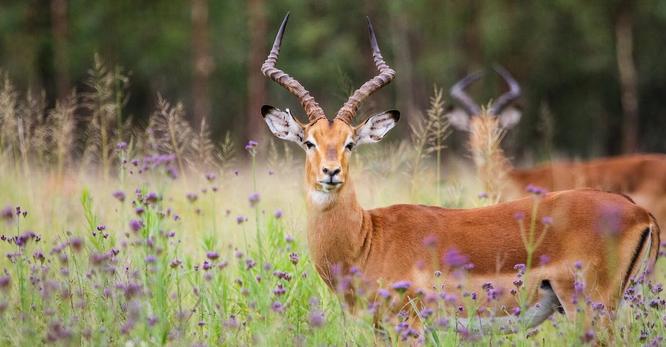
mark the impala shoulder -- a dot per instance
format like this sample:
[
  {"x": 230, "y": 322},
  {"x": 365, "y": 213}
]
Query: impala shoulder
[{"x": 402, "y": 212}]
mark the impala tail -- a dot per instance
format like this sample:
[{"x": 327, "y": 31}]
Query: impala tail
[
  {"x": 648, "y": 246},
  {"x": 655, "y": 244}
]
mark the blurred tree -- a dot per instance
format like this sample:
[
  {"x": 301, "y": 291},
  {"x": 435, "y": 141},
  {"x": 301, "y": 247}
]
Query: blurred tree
[
  {"x": 573, "y": 56},
  {"x": 256, "y": 82},
  {"x": 202, "y": 62},
  {"x": 59, "y": 31},
  {"x": 624, "y": 46}
]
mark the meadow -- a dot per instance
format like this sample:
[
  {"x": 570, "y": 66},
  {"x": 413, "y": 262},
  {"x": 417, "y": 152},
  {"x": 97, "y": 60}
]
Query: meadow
[{"x": 159, "y": 236}]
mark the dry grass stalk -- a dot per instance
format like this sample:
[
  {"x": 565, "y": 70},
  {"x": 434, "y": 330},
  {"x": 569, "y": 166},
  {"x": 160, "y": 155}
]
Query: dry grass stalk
[
  {"x": 203, "y": 150},
  {"x": 489, "y": 159},
  {"x": 105, "y": 102},
  {"x": 60, "y": 130},
  {"x": 9, "y": 147},
  {"x": 169, "y": 132}
]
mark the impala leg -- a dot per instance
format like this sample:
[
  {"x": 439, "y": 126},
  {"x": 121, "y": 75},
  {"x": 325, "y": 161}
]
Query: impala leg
[{"x": 564, "y": 289}]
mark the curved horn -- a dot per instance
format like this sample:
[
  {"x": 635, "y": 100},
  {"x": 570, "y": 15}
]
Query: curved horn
[
  {"x": 312, "y": 108},
  {"x": 511, "y": 95},
  {"x": 386, "y": 74},
  {"x": 458, "y": 93}
]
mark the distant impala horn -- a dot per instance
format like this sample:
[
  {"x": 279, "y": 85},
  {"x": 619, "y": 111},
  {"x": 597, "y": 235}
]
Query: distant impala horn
[
  {"x": 506, "y": 98},
  {"x": 458, "y": 93}
]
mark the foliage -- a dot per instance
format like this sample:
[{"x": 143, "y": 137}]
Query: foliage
[{"x": 562, "y": 53}]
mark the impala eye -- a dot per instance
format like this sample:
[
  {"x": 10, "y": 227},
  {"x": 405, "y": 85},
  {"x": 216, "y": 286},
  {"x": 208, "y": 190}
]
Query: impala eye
[
  {"x": 309, "y": 145},
  {"x": 349, "y": 146}
]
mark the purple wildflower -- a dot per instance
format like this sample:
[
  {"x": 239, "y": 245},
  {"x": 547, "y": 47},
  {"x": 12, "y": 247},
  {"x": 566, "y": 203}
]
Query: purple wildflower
[
  {"x": 454, "y": 258},
  {"x": 430, "y": 241},
  {"x": 383, "y": 293},
  {"x": 251, "y": 145},
  {"x": 5, "y": 281},
  {"x": 175, "y": 263},
  {"x": 317, "y": 318},
  {"x": 278, "y": 214},
  {"x": 538, "y": 191},
  {"x": 210, "y": 176},
  {"x": 151, "y": 198},
  {"x": 544, "y": 260},
  {"x": 588, "y": 337},
  {"x": 293, "y": 257},
  {"x": 206, "y": 265},
  {"x": 253, "y": 199},
  {"x": 212, "y": 255},
  {"x": 135, "y": 225},
  {"x": 547, "y": 220},
  {"x": 7, "y": 214},
  {"x": 279, "y": 290},
  {"x": 277, "y": 307},
  {"x": 76, "y": 243},
  {"x": 519, "y": 216},
  {"x": 241, "y": 219},
  {"x": 119, "y": 195},
  {"x": 401, "y": 286}
]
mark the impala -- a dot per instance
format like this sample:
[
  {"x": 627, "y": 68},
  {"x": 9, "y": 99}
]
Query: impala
[
  {"x": 405, "y": 243},
  {"x": 640, "y": 176}
]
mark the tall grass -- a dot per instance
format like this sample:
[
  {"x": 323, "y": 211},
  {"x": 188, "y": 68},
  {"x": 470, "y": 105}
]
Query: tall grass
[{"x": 180, "y": 242}]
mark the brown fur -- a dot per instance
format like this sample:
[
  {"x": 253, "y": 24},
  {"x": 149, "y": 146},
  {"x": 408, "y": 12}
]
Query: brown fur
[
  {"x": 640, "y": 176},
  {"x": 387, "y": 244}
]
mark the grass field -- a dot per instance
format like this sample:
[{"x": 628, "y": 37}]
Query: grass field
[
  {"x": 145, "y": 249},
  {"x": 209, "y": 260}
]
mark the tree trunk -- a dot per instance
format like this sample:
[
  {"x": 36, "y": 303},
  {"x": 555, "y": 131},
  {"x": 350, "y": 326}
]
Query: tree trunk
[
  {"x": 203, "y": 62},
  {"x": 60, "y": 61},
  {"x": 256, "y": 83},
  {"x": 628, "y": 77},
  {"x": 403, "y": 60}
]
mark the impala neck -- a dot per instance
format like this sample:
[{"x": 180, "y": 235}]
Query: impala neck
[
  {"x": 491, "y": 164},
  {"x": 335, "y": 229}
]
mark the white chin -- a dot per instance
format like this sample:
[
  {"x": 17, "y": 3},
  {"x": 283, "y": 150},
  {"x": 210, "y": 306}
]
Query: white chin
[{"x": 321, "y": 198}]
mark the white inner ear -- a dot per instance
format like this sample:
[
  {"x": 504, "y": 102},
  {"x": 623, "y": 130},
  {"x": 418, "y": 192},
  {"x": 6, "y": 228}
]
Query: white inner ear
[
  {"x": 459, "y": 119},
  {"x": 510, "y": 117},
  {"x": 374, "y": 128},
  {"x": 283, "y": 125}
]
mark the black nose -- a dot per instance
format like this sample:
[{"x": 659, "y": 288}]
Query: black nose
[{"x": 331, "y": 172}]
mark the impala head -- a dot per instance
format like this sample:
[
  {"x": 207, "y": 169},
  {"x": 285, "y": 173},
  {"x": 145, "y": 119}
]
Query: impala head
[
  {"x": 464, "y": 118},
  {"x": 328, "y": 144}
]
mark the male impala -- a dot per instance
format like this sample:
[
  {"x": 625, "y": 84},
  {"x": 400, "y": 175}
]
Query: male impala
[
  {"x": 640, "y": 176},
  {"x": 387, "y": 244}
]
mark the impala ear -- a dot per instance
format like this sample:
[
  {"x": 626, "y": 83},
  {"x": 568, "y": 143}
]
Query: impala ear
[
  {"x": 509, "y": 117},
  {"x": 282, "y": 124},
  {"x": 375, "y": 127},
  {"x": 458, "y": 118}
]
